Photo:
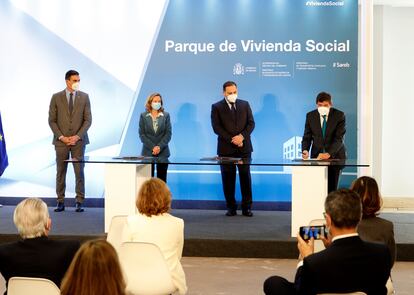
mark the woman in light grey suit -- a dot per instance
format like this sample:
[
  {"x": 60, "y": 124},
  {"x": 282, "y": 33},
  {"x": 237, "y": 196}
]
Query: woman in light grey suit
[
  {"x": 155, "y": 133},
  {"x": 373, "y": 228}
]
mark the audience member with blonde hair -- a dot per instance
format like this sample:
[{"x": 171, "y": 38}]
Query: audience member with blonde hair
[
  {"x": 373, "y": 228},
  {"x": 35, "y": 255},
  {"x": 95, "y": 270},
  {"x": 153, "y": 224}
]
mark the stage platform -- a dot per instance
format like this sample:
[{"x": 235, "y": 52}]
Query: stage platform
[{"x": 208, "y": 233}]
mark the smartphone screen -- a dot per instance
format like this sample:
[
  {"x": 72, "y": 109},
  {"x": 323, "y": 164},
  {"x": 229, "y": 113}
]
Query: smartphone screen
[{"x": 307, "y": 232}]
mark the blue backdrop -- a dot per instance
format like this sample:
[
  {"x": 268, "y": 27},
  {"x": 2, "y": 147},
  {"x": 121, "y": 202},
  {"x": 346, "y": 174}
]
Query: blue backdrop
[
  {"x": 280, "y": 81},
  {"x": 280, "y": 52}
]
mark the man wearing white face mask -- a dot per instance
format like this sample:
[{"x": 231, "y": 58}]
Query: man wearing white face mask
[
  {"x": 324, "y": 136},
  {"x": 233, "y": 122},
  {"x": 70, "y": 118}
]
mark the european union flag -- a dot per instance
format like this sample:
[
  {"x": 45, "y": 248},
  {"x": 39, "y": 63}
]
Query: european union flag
[{"x": 4, "y": 162}]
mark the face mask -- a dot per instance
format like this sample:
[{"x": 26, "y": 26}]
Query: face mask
[
  {"x": 156, "y": 105},
  {"x": 232, "y": 98},
  {"x": 323, "y": 111},
  {"x": 75, "y": 86}
]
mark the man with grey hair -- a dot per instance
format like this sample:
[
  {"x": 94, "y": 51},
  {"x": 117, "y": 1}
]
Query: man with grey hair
[
  {"x": 35, "y": 255},
  {"x": 348, "y": 264}
]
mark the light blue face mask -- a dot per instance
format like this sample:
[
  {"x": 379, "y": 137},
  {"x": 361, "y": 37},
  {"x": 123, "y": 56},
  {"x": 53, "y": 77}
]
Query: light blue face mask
[{"x": 156, "y": 105}]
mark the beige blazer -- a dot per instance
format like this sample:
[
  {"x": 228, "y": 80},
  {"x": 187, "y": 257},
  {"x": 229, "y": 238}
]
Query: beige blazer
[
  {"x": 62, "y": 123},
  {"x": 167, "y": 232}
]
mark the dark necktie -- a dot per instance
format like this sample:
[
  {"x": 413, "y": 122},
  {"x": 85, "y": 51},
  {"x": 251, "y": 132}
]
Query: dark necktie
[
  {"x": 70, "y": 103},
  {"x": 233, "y": 110},
  {"x": 323, "y": 130},
  {"x": 323, "y": 126}
]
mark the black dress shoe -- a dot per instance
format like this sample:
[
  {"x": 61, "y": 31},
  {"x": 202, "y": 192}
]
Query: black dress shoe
[
  {"x": 79, "y": 207},
  {"x": 231, "y": 212},
  {"x": 60, "y": 207},
  {"x": 247, "y": 212}
]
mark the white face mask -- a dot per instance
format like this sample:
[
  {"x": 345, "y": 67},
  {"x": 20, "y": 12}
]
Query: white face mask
[
  {"x": 156, "y": 105},
  {"x": 232, "y": 98},
  {"x": 323, "y": 111},
  {"x": 75, "y": 86}
]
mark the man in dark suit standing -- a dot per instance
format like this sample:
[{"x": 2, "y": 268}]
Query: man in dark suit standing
[
  {"x": 70, "y": 118},
  {"x": 324, "y": 136},
  {"x": 348, "y": 264},
  {"x": 233, "y": 122},
  {"x": 35, "y": 255}
]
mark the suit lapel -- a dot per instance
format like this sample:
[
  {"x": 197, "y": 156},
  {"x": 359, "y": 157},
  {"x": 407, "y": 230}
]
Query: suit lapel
[
  {"x": 160, "y": 123},
  {"x": 64, "y": 102},
  {"x": 228, "y": 111},
  {"x": 149, "y": 123},
  {"x": 226, "y": 107},
  {"x": 77, "y": 103},
  {"x": 330, "y": 121},
  {"x": 237, "y": 105},
  {"x": 317, "y": 120}
]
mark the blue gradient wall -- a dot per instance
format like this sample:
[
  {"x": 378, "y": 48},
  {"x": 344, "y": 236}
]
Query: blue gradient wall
[{"x": 121, "y": 64}]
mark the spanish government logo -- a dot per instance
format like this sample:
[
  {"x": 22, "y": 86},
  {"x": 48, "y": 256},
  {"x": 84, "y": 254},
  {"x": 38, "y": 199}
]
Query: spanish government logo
[{"x": 238, "y": 69}]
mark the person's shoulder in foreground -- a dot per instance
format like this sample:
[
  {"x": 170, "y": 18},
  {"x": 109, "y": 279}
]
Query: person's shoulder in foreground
[
  {"x": 348, "y": 264},
  {"x": 35, "y": 255},
  {"x": 362, "y": 266}
]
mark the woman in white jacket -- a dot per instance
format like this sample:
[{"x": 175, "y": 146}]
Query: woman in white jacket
[{"x": 153, "y": 224}]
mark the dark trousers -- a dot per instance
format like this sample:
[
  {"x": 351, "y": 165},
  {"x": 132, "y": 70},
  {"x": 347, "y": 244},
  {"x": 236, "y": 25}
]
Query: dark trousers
[
  {"x": 334, "y": 173},
  {"x": 278, "y": 286},
  {"x": 161, "y": 171},
  {"x": 62, "y": 153},
  {"x": 228, "y": 177}
]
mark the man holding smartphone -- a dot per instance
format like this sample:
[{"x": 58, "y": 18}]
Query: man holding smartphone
[{"x": 348, "y": 264}]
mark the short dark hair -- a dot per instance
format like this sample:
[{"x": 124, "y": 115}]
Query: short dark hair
[
  {"x": 367, "y": 189},
  {"x": 71, "y": 73},
  {"x": 228, "y": 84},
  {"x": 323, "y": 96},
  {"x": 344, "y": 207}
]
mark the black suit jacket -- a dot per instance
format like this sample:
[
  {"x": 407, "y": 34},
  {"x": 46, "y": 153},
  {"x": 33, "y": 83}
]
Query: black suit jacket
[
  {"x": 378, "y": 230},
  {"x": 334, "y": 137},
  {"x": 225, "y": 126},
  {"x": 348, "y": 265},
  {"x": 37, "y": 257}
]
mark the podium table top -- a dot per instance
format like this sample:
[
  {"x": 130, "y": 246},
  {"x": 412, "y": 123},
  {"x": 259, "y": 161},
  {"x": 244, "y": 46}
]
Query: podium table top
[{"x": 219, "y": 161}]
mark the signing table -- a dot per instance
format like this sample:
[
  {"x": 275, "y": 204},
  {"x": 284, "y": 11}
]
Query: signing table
[{"x": 125, "y": 175}]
